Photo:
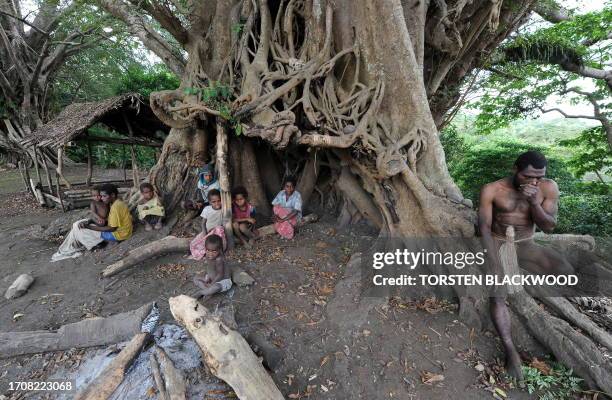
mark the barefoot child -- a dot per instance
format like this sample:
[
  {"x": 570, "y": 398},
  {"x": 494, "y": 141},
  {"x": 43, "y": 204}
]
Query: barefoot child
[
  {"x": 243, "y": 223},
  {"x": 218, "y": 277},
  {"x": 287, "y": 208},
  {"x": 212, "y": 224},
  {"x": 99, "y": 210},
  {"x": 150, "y": 209}
]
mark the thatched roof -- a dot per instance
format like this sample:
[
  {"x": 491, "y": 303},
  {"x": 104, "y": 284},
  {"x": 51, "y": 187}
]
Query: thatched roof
[{"x": 75, "y": 119}]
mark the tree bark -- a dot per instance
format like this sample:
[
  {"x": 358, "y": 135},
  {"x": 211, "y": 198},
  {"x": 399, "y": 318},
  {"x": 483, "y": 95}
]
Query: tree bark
[
  {"x": 228, "y": 356},
  {"x": 111, "y": 377}
]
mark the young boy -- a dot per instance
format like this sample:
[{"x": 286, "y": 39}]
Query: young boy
[
  {"x": 218, "y": 276},
  {"x": 99, "y": 210},
  {"x": 150, "y": 209},
  {"x": 243, "y": 223}
]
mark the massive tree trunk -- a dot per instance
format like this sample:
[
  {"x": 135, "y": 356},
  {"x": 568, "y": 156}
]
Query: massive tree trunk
[{"x": 355, "y": 86}]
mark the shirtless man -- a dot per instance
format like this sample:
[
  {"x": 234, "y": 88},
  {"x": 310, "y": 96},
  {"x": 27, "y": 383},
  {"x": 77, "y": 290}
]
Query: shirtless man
[{"x": 525, "y": 200}]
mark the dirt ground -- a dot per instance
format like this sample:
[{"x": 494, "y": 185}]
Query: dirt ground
[{"x": 327, "y": 344}]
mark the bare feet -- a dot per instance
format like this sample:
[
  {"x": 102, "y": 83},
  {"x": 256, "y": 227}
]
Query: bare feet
[
  {"x": 148, "y": 227},
  {"x": 513, "y": 365},
  {"x": 202, "y": 297},
  {"x": 158, "y": 225}
]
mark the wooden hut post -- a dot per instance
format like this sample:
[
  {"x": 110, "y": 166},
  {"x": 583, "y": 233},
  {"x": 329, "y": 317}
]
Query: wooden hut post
[
  {"x": 36, "y": 164},
  {"x": 135, "y": 177},
  {"x": 23, "y": 176},
  {"x": 89, "y": 165},
  {"x": 224, "y": 183},
  {"x": 49, "y": 183},
  {"x": 59, "y": 189},
  {"x": 27, "y": 175},
  {"x": 60, "y": 167}
]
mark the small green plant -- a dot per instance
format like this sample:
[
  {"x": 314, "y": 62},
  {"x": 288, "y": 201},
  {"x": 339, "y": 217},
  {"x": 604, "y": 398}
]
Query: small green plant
[
  {"x": 559, "y": 384},
  {"x": 237, "y": 28},
  {"x": 218, "y": 97}
]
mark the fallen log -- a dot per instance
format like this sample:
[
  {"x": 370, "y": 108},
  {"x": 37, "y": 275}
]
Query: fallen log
[
  {"x": 171, "y": 244},
  {"x": 168, "y": 244},
  {"x": 175, "y": 386},
  {"x": 111, "y": 377},
  {"x": 228, "y": 356},
  {"x": 87, "y": 333},
  {"x": 19, "y": 287},
  {"x": 157, "y": 377}
]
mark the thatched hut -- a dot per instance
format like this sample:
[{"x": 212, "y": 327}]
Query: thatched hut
[{"x": 129, "y": 115}]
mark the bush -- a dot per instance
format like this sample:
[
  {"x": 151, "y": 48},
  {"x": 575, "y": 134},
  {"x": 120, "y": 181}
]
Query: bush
[
  {"x": 110, "y": 155},
  {"x": 585, "y": 214},
  {"x": 489, "y": 161}
]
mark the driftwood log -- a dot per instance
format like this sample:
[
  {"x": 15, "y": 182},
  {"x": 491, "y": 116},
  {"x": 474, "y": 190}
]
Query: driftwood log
[
  {"x": 171, "y": 244},
  {"x": 225, "y": 351},
  {"x": 111, "y": 377},
  {"x": 87, "y": 333},
  {"x": 174, "y": 380},
  {"x": 19, "y": 287},
  {"x": 157, "y": 377}
]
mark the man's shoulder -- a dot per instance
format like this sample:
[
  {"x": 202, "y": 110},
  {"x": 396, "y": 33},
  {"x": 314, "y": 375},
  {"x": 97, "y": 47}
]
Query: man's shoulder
[
  {"x": 495, "y": 185},
  {"x": 548, "y": 185}
]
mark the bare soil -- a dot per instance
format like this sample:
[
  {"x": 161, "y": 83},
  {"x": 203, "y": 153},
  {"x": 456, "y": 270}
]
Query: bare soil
[{"x": 326, "y": 342}]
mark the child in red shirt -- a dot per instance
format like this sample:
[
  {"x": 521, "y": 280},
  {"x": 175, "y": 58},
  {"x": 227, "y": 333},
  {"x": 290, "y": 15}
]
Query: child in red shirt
[{"x": 243, "y": 222}]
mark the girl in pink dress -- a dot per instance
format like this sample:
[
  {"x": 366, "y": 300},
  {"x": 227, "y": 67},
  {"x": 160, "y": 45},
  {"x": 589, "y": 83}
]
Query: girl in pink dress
[{"x": 287, "y": 208}]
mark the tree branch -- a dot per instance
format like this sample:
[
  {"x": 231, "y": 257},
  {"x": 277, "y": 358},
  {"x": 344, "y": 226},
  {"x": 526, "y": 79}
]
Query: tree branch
[
  {"x": 6, "y": 86},
  {"x": 31, "y": 25},
  {"x": 544, "y": 111},
  {"x": 19, "y": 66},
  {"x": 147, "y": 34},
  {"x": 166, "y": 19},
  {"x": 551, "y": 11}
]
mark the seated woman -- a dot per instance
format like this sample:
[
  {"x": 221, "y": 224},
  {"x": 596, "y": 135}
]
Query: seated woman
[
  {"x": 150, "y": 209},
  {"x": 85, "y": 235},
  {"x": 287, "y": 209},
  {"x": 206, "y": 182},
  {"x": 243, "y": 221},
  {"x": 212, "y": 224}
]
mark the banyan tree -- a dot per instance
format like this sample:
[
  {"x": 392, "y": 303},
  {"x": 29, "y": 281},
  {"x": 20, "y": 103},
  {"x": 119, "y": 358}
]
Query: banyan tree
[{"x": 348, "y": 95}]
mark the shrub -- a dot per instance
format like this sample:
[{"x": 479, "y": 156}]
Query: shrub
[
  {"x": 489, "y": 161},
  {"x": 585, "y": 214}
]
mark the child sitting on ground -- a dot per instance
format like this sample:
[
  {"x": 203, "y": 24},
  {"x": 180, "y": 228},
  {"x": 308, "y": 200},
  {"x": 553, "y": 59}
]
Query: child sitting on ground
[
  {"x": 98, "y": 210},
  {"x": 243, "y": 223},
  {"x": 150, "y": 209},
  {"x": 218, "y": 276},
  {"x": 212, "y": 224}
]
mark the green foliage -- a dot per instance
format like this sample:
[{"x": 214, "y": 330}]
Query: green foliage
[
  {"x": 488, "y": 161},
  {"x": 585, "y": 214},
  {"x": 110, "y": 155},
  {"x": 218, "y": 96},
  {"x": 521, "y": 78},
  {"x": 140, "y": 79},
  {"x": 560, "y": 384},
  {"x": 590, "y": 152},
  {"x": 237, "y": 28}
]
